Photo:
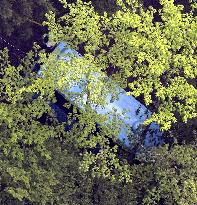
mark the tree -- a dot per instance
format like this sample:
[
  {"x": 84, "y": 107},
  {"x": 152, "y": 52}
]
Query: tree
[
  {"x": 39, "y": 160},
  {"x": 31, "y": 169},
  {"x": 89, "y": 129},
  {"x": 23, "y": 138},
  {"x": 102, "y": 6},
  {"x": 21, "y": 25},
  {"x": 158, "y": 58},
  {"x": 41, "y": 163},
  {"x": 16, "y": 16},
  {"x": 168, "y": 177}
]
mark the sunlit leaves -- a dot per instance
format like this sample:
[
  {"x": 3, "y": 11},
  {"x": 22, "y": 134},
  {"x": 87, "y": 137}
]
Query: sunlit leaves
[
  {"x": 158, "y": 57},
  {"x": 23, "y": 138}
]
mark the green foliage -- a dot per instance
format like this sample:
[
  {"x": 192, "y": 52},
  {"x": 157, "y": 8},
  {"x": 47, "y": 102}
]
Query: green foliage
[
  {"x": 23, "y": 138},
  {"x": 159, "y": 57},
  {"x": 170, "y": 175},
  {"x": 40, "y": 163},
  {"x": 31, "y": 168},
  {"x": 159, "y": 60},
  {"x": 85, "y": 122},
  {"x": 18, "y": 15},
  {"x": 102, "y": 6},
  {"x": 21, "y": 26}
]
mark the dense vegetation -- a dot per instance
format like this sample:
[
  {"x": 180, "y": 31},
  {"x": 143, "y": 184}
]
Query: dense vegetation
[{"x": 151, "y": 52}]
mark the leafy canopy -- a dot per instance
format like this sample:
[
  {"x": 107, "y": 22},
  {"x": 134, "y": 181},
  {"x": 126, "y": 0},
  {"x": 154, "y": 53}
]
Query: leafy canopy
[{"x": 155, "y": 59}]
